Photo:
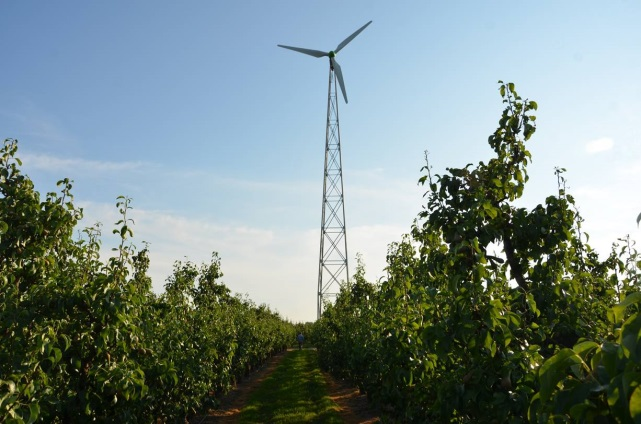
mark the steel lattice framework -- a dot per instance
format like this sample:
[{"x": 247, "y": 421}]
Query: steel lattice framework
[{"x": 332, "y": 264}]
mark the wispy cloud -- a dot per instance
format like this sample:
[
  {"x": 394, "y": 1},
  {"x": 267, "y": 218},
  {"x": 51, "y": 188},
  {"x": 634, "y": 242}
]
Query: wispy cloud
[
  {"x": 272, "y": 267},
  {"x": 57, "y": 164},
  {"x": 51, "y": 163},
  {"x": 32, "y": 122},
  {"x": 599, "y": 145},
  {"x": 630, "y": 169},
  {"x": 372, "y": 241},
  {"x": 271, "y": 186},
  {"x": 276, "y": 267}
]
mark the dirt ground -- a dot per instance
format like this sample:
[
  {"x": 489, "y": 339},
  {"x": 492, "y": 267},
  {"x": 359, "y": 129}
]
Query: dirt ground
[{"x": 354, "y": 408}]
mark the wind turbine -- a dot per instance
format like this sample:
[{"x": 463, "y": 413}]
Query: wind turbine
[
  {"x": 332, "y": 264},
  {"x": 333, "y": 64}
]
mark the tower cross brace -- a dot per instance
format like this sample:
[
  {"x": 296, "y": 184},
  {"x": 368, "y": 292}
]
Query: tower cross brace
[{"x": 332, "y": 264}]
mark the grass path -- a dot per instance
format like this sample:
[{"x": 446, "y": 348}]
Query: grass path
[{"x": 294, "y": 393}]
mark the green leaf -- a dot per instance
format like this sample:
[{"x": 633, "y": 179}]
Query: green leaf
[
  {"x": 638, "y": 219},
  {"x": 533, "y": 410},
  {"x": 34, "y": 412},
  {"x": 67, "y": 341},
  {"x": 583, "y": 349},
  {"x": 635, "y": 405},
  {"x": 554, "y": 370},
  {"x": 532, "y": 304},
  {"x": 607, "y": 358},
  {"x": 618, "y": 310},
  {"x": 518, "y": 176},
  {"x": 57, "y": 354},
  {"x": 487, "y": 343},
  {"x": 616, "y": 398},
  {"x": 533, "y": 105},
  {"x": 630, "y": 335},
  {"x": 491, "y": 211}
]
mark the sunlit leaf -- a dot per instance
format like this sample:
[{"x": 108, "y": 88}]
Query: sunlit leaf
[
  {"x": 585, "y": 348},
  {"x": 635, "y": 405},
  {"x": 630, "y": 335},
  {"x": 34, "y": 412},
  {"x": 554, "y": 370},
  {"x": 619, "y": 310}
]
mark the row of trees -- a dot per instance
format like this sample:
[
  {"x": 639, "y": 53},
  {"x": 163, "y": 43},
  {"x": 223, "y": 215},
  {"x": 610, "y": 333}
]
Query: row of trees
[
  {"x": 542, "y": 331},
  {"x": 86, "y": 340}
]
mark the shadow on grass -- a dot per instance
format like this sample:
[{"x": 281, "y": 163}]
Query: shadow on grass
[{"x": 294, "y": 393}]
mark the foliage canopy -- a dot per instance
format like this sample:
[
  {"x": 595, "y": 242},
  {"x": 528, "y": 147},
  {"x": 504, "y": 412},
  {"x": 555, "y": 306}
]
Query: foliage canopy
[
  {"x": 488, "y": 305},
  {"x": 84, "y": 340}
]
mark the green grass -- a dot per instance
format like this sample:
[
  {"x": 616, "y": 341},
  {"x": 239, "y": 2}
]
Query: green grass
[{"x": 294, "y": 393}]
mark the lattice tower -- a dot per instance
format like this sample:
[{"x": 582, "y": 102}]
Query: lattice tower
[{"x": 332, "y": 264}]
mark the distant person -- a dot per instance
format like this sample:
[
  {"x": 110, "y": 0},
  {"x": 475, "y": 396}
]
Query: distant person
[{"x": 300, "y": 339}]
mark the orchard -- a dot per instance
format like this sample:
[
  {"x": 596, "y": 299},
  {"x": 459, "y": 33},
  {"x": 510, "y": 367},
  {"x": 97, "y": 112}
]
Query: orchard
[
  {"x": 491, "y": 313},
  {"x": 87, "y": 340},
  {"x": 543, "y": 331}
]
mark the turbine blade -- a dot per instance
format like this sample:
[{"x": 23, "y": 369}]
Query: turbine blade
[
  {"x": 315, "y": 53},
  {"x": 339, "y": 75},
  {"x": 351, "y": 37}
]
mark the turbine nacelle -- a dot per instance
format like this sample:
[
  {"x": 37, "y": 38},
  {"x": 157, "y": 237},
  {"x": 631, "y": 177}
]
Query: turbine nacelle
[{"x": 333, "y": 64}]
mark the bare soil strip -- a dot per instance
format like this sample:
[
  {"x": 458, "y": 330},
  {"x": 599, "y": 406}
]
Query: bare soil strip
[
  {"x": 232, "y": 403},
  {"x": 354, "y": 407}
]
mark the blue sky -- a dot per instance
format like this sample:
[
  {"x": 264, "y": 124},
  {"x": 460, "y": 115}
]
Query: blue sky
[{"x": 218, "y": 135}]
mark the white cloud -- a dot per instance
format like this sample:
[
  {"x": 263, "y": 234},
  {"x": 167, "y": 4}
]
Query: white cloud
[
  {"x": 57, "y": 164},
  {"x": 50, "y": 163},
  {"x": 630, "y": 169},
  {"x": 273, "y": 267},
  {"x": 599, "y": 145},
  {"x": 591, "y": 193},
  {"x": 609, "y": 214},
  {"x": 270, "y": 186},
  {"x": 34, "y": 123},
  {"x": 278, "y": 267},
  {"x": 372, "y": 241}
]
